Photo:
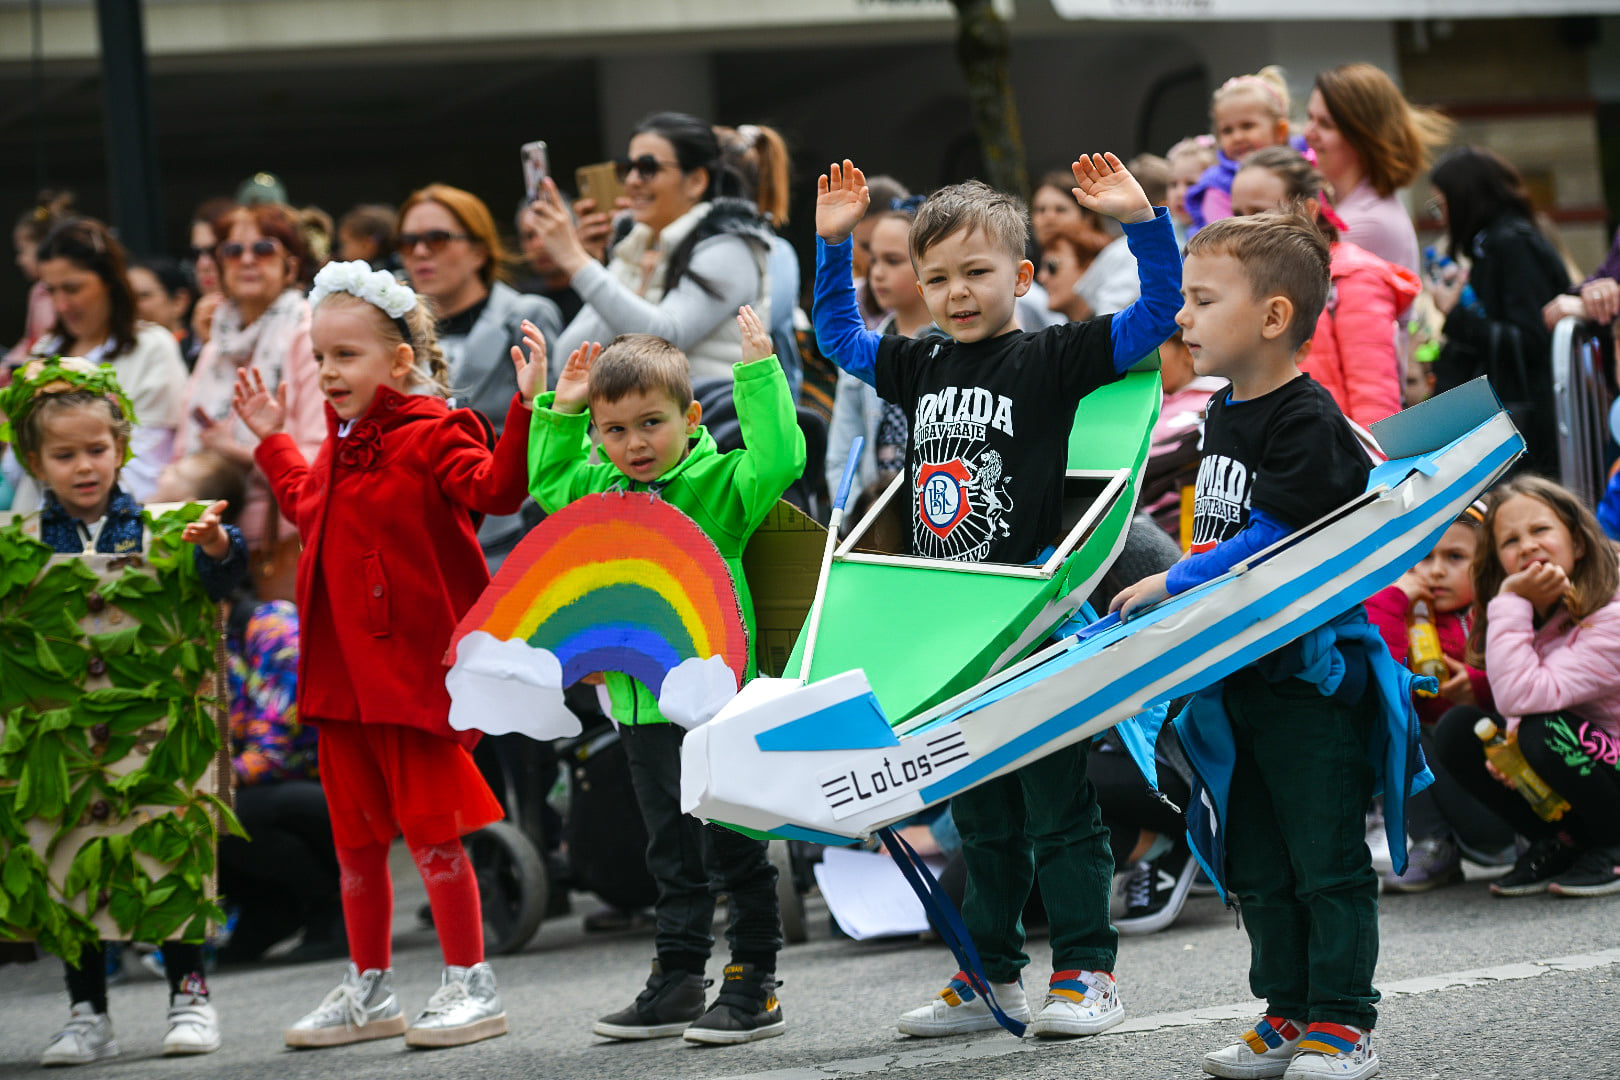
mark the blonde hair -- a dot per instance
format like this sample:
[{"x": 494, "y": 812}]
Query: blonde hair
[
  {"x": 1201, "y": 147},
  {"x": 1282, "y": 254},
  {"x": 1269, "y": 85},
  {"x": 430, "y": 372},
  {"x": 1390, "y": 135}
]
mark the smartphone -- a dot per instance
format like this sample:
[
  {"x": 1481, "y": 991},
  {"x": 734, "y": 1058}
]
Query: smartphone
[
  {"x": 601, "y": 183},
  {"x": 536, "y": 165}
]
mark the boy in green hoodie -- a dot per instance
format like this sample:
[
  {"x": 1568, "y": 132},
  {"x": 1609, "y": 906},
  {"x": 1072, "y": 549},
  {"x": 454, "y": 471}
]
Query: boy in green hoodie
[{"x": 638, "y": 394}]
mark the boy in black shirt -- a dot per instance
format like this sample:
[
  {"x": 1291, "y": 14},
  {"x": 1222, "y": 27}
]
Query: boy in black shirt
[
  {"x": 1278, "y": 454},
  {"x": 991, "y": 411}
]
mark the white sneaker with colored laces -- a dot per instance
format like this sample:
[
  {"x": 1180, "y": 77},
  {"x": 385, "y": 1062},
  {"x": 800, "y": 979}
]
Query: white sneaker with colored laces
[
  {"x": 193, "y": 1025},
  {"x": 87, "y": 1037},
  {"x": 959, "y": 1009},
  {"x": 1333, "y": 1052},
  {"x": 1264, "y": 1051},
  {"x": 1079, "y": 1003}
]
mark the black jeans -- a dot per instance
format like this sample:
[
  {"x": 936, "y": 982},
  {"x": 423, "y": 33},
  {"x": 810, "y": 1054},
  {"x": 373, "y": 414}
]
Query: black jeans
[
  {"x": 1447, "y": 809},
  {"x": 693, "y": 861},
  {"x": 1129, "y": 805}
]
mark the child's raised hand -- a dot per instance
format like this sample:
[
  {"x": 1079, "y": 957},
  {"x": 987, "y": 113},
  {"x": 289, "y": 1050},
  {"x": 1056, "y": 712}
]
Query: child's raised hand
[
  {"x": 207, "y": 533},
  {"x": 531, "y": 373},
  {"x": 263, "y": 413},
  {"x": 573, "y": 385},
  {"x": 756, "y": 340},
  {"x": 1543, "y": 584},
  {"x": 1106, "y": 186},
  {"x": 1150, "y": 590},
  {"x": 841, "y": 201}
]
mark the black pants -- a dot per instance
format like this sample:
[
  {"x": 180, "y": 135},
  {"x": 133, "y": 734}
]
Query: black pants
[
  {"x": 693, "y": 861},
  {"x": 1446, "y": 808},
  {"x": 1579, "y": 760},
  {"x": 287, "y": 873},
  {"x": 87, "y": 981},
  {"x": 1129, "y": 805}
]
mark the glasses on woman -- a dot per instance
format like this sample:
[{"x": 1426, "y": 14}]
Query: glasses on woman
[
  {"x": 263, "y": 248},
  {"x": 646, "y": 166},
  {"x": 435, "y": 239}
]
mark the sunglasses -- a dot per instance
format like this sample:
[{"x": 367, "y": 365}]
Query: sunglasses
[
  {"x": 264, "y": 248},
  {"x": 198, "y": 253},
  {"x": 435, "y": 239},
  {"x": 646, "y": 166}
]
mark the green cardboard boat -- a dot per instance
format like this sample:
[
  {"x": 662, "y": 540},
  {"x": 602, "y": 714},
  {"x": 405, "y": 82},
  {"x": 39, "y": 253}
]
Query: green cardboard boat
[{"x": 925, "y": 629}]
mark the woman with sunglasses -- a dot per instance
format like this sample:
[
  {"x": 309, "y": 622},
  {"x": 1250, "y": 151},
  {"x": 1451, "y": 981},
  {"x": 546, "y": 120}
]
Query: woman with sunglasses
[
  {"x": 263, "y": 323},
  {"x": 695, "y": 254},
  {"x": 452, "y": 252}
]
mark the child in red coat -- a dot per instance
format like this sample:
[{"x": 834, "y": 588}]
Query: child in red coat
[{"x": 390, "y": 564}]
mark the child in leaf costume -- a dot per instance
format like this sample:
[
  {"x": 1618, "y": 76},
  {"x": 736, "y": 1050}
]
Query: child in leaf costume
[{"x": 70, "y": 422}]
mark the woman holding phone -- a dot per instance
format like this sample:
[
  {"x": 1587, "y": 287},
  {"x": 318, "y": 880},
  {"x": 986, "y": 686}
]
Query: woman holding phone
[{"x": 695, "y": 254}]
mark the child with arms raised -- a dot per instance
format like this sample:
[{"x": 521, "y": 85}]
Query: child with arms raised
[
  {"x": 1278, "y": 454},
  {"x": 638, "y": 394},
  {"x": 391, "y": 564},
  {"x": 997, "y": 402},
  {"x": 72, "y": 433}
]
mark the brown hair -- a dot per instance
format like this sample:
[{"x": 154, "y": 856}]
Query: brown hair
[
  {"x": 1595, "y": 579},
  {"x": 429, "y": 371},
  {"x": 90, "y": 245},
  {"x": 218, "y": 477},
  {"x": 276, "y": 221},
  {"x": 29, "y": 432},
  {"x": 1390, "y": 135},
  {"x": 1153, "y": 173},
  {"x": 970, "y": 206},
  {"x": 1300, "y": 179},
  {"x": 373, "y": 221},
  {"x": 641, "y": 363},
  {"x": 474, "y": 218},
  {"x": 759, "y": 155},
  {"x": 1282, "y": 254},
  {"x": 49, "y": 208}
]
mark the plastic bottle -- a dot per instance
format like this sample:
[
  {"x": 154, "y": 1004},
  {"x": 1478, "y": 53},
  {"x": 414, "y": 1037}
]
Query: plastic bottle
[
  {"x": 1424, "y": 655},
  {"x": 1503, "y": 752}
]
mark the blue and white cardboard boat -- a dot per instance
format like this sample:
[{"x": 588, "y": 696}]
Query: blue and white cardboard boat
[{"x": 824, "y": 764}]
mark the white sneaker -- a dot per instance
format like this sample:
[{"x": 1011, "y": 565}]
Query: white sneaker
[
  {"x": 1333, "y": 1052},
  {"x": 87, "y": 1037},
  {"x": 361, "y": 1007},
  {"x": 193, "y": 1025},
  {"x": 1265, "y": 1050},
  {"x": 1079, "y": 1003},
  {"x": 465, "y": 1008},
  {"x": 960, "y": 1009}
]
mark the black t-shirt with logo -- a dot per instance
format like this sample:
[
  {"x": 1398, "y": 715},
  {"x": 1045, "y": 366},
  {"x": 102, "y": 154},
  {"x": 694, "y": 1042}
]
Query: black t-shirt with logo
[
  {"x": 1289, "y": 453},
  {"x": 989, "y": 438}
]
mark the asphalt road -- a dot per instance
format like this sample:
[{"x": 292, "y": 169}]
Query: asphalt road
[{"x": 1474, "y": 987}]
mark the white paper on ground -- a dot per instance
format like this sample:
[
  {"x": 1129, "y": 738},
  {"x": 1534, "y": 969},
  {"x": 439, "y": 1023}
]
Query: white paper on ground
[{"x": 868, "y": 895}]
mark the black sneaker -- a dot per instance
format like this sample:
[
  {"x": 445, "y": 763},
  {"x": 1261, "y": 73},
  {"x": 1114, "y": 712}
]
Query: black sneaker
[
  {"x": 1156, "y": 890},
  {"x": 746, "y": 1009},
  {"x": 668, "y": 1004},
  {"x": 1595, "y": 872},
  {"x": 1542, "y": 861}
]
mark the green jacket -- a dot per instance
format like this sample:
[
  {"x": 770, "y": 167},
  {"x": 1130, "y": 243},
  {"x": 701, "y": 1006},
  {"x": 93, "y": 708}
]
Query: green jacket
[{"x": 728, "y": 495}]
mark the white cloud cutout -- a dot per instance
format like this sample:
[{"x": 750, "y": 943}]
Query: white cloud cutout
[
  {"x": 696, "y": 689},
  {"x": 501, "y": 687}
]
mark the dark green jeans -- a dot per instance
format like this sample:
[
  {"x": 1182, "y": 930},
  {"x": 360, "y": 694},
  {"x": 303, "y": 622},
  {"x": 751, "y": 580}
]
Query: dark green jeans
[
  {"x": 1296, "y": 852},
  {"x": 1042, "y": 819}
]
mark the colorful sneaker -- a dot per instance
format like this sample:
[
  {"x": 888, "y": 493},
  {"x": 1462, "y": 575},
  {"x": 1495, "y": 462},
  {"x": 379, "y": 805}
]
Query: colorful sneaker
[
  {"x": 746, "y": 1009},
  {"x": 668, "y": 1004},
  {"x": 1535, "y": 869},
  {"x": 87, "y": 1037},
  {"x": 1265, "y": 1050},
  {"x": 193, "y": 1023},
  {"x": 1156, "y": 890},
  {"x": 1429, "y": 865},
  {"x": 960, "y": 1008},
  {"x": 1078, "y": 1003},
  {"x": 464, "y": 1009},
  {"x": 1595, "y": 872},
  {"x": 361, "y": 1007},
  {"x": 1333, "y": 1052}
]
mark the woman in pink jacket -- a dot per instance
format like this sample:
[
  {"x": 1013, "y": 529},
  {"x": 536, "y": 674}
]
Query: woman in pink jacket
[
  {"x": 1354, "y": 352},
  {"x": 1550, "y": 637}
]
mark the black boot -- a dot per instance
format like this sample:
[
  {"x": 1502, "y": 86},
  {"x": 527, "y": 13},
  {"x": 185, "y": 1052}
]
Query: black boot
[
  {"x": 746, "y": 1009},
  {"x": 669, "y": 1003}
]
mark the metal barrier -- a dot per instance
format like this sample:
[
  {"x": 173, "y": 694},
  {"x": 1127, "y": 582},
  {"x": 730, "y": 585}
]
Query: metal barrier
[{"x": 1581, "y": 399}]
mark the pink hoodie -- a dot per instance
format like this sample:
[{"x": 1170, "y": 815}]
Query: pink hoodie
[
  {"x": 1561, "y": 666},
  {"x": 1353, "y": 353}
]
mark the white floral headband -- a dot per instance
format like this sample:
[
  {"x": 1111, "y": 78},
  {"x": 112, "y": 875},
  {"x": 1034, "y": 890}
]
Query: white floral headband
[{"x": 378, "y": 288}]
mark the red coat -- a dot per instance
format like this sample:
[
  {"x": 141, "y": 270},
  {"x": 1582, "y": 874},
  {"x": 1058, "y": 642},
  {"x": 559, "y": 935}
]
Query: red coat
[
  {"x": 1353, "y": 353},
  {"x": 392, "y": 562}
]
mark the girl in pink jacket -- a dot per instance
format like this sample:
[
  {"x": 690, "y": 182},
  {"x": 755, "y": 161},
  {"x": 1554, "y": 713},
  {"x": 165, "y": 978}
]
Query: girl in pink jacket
[
  {"x": 1549, "y": 632},
  {"x": 1353, "y": 352}
]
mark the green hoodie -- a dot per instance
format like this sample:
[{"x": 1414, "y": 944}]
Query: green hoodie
[{"x": 728, "y": 495}]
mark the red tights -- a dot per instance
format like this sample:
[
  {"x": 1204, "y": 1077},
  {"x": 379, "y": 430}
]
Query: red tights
[{"x": 368, "y": 902}]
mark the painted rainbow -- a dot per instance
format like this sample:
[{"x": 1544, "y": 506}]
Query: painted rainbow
[{"x": 620, "y": 581}]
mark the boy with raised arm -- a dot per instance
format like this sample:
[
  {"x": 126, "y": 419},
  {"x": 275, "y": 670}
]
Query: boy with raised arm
[
  {"x": 991, "y": 410},
  {"x": 1278, "y": 454}
]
